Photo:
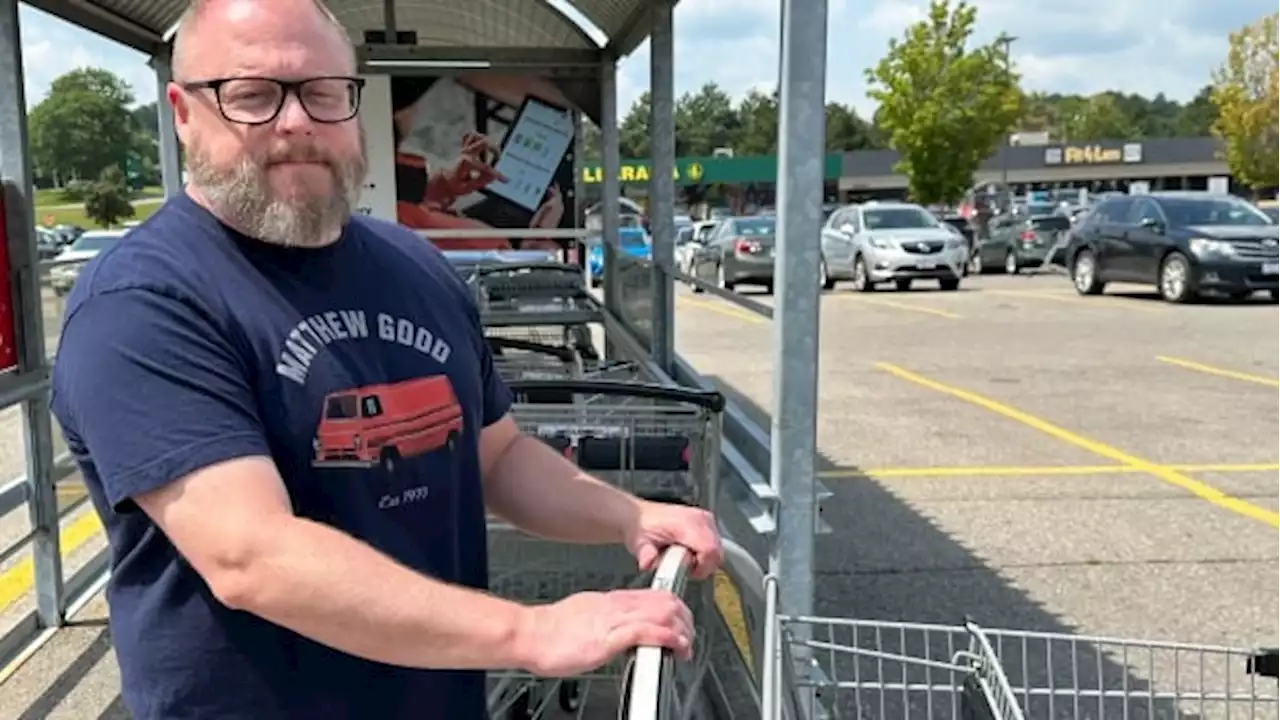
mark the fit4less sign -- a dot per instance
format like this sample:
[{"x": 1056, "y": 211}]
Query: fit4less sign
[{"x": 634, "y": 172}]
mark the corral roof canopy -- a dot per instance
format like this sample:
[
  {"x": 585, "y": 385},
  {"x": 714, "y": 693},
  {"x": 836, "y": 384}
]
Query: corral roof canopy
[{"x": 608, "y": 27}]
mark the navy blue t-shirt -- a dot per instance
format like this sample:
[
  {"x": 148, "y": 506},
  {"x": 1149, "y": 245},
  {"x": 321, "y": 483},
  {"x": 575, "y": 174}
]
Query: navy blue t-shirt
[{"x": 360, "y": 368}]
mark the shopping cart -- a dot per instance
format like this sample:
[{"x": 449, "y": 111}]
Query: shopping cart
[
  {"x": 520, "y": 359},
  {"x": 655, "y": 441},
  {"x": 540, "y": 301},
  {"x": 842, "y": 668}
]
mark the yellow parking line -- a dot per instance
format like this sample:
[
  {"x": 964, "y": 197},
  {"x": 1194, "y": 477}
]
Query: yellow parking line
[
  {"x": 729, "y": 602},
  {"x": 1169, "y": 475},
  {"x": 1221, "y": 372},
  {"x": 1073, "y": 299},
  {"x": 19, "y": 579},
  {"x": 1046, "y": 470},
  {"x": 903, "y": 306},
  {"x": 728, "y": 310}
]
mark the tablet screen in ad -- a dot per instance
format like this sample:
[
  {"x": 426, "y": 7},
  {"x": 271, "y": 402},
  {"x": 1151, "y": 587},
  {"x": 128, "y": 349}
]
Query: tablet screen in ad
[{"x": 531, "y": 154}]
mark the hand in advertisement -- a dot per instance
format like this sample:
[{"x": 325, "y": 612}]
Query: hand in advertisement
[
  {"x": 551, "y": 211},
  {"x": 475, "y": 166}
]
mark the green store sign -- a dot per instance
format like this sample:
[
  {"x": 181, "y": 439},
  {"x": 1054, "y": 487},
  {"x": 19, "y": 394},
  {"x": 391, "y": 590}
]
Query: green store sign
[{"x": 708, "y": 170}]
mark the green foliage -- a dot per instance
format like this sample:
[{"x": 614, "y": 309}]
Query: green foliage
[
  {"x": 1115, "y": 116},
  {"x": 108, "y": 202},
  {"x": 1245, "y": 93},
  {"x": 83, "y": 126},
  {"x": 708, "y": 119},
  {"x": 943, "y": 106}
]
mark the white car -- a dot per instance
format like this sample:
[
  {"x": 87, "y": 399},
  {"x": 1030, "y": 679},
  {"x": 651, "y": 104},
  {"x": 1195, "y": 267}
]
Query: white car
[
  {"x": 880, "y": 242},
  {"x": 68, "y": 264},
  {"x": 688, "y": 242}
]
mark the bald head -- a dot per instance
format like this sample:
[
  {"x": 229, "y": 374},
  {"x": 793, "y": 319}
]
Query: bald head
[
  {"x": 266, "y": 104},
  {"x": 207, "y": 26}
]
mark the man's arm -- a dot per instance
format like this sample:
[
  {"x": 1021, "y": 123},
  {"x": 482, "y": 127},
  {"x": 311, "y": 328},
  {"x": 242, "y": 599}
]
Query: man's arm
[
  {"x": 256, "y": 556},
  {"x": 162, "y": 403},
  {"x": 536, "y": 489}
]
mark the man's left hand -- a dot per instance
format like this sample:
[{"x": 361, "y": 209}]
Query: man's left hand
[{"x": 660, "y": 525}]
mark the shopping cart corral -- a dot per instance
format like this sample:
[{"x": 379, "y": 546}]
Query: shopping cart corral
[{"x": 824, "y": 667}]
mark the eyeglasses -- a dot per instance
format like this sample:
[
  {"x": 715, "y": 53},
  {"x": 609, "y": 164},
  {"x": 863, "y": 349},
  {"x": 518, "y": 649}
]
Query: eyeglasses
[{"x": 258, "y": 100}]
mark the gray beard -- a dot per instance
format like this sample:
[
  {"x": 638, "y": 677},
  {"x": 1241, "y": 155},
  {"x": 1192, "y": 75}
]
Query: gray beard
[{"x": 242, "y": 197}]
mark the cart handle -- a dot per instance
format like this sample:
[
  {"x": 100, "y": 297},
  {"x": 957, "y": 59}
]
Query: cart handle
[
  {"x": 642, "y": 684},
  {"x": 710, "y": 399},
  {"x": 557, "y": 351},
  {"x": 503, "y": 266}
]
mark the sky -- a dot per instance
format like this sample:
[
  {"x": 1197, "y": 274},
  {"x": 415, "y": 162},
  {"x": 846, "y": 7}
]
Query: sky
[{"x": 1082, "y": 46}]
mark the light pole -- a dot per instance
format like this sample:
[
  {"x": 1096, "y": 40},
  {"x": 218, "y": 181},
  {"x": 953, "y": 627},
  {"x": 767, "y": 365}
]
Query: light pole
[{"x": 1006, "y": 40}]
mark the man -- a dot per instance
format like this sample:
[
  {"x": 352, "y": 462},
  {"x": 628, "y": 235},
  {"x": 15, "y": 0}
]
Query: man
[{"x": 253, "y": 578}]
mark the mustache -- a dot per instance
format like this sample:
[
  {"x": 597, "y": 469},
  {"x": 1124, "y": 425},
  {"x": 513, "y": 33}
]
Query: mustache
[{"x": 299, "y": 153}]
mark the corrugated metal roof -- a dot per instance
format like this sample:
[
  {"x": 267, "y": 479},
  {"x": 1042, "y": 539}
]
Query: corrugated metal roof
[{"x": 452, "y": 23}]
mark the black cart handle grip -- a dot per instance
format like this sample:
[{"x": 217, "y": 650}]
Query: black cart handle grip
[
  {"x": 500, "y": 267},
  {"x": 711, "y": 399},
  {"x": 558, "y": 351}
]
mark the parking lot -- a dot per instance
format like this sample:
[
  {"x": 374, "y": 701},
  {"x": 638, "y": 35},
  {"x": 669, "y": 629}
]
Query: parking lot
[
  {"x": 1011, "y": 452},
  {"x": 1034, "y": 459}
]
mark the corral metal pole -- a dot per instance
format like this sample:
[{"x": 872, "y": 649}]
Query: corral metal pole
[
  {"x": 29, "y": 324},
  {"x": 662, "y": 184},
  {"x": 609, "y": 163},
  {"x": 170, "y": 159},
  {"x": 801, "y": 138}
]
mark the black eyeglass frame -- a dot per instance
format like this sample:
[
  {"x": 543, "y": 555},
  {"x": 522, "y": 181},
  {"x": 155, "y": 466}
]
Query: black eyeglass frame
[{"x": 287, "y": 87}]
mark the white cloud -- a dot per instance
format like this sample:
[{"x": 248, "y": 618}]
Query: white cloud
[
  {"x": 1085, "y": 46},
  {"x": 51, "y": 47}
]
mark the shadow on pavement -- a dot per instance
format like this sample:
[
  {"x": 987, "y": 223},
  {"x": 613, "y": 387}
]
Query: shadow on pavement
[{"x": 890, "y": 568}]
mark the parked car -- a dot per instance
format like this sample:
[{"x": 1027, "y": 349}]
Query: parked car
[
  {"x": 739, "y": 251},
  {"x": 633, "y": 241},
  {"x": 1271, "y": 208},
  {"x": 63, "y": 275},
  {"x": 1018, "y": 242},
  {"x": 689, "y": 240},
  {"x": 1184, "y": 243},
  {"x": 878, "y": 242}
]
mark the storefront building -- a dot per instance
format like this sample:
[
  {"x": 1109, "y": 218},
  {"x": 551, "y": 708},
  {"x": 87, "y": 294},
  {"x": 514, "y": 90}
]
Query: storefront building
[
  {"x": 746, "y": 184},
  {"x": 742, "y": 183},
  {"x": 1162, "y": 164}
]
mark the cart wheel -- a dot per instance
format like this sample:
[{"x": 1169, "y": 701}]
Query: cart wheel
[
  {"x": 522, "y": 708},
  {"x": 570, "y": 695}
]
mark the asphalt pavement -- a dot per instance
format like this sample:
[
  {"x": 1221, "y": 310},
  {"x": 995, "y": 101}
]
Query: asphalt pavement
[
  {"x": 1010, "y": 453},
  {"x": 1031, "y": 459}
]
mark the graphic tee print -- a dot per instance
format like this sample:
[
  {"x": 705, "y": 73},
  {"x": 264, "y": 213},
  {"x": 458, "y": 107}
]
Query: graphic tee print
[{"x": 359, "y": 369}]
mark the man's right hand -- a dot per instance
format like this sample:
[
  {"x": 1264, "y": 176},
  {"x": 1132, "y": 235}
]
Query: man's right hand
[{"x": 584, "y": 632}]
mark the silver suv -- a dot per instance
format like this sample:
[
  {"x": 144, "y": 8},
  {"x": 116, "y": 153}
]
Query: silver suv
[{"x": 878, "y": 242}]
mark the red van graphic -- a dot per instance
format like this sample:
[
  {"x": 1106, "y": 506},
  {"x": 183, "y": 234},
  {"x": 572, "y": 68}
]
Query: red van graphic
[{"x": 380, "y": 424}]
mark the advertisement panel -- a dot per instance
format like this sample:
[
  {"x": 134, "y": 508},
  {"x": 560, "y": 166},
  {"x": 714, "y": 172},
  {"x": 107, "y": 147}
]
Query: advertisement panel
[
  {"x": 8, "y": 334},
  {"x": 482, "y": 152}
]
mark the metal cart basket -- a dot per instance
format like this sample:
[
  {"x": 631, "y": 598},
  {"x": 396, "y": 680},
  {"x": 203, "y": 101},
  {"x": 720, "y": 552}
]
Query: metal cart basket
[
  {"x": 831, "y": 667},
  {"x": 520, "y": 359},
  {"x": 655, "y": 441},
  {"x": 539, "y": 301}
]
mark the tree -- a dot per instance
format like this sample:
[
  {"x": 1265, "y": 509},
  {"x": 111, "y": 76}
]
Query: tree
[
  {"x": 1245, "y": 93},
  {"x": 108, "y": 202},
  {"x": 592, "y": 141},
  {"x": 633, "y": 132},
  {"x": 943, "y": 106},
  {"x": 758, "y": 124},
  {"x": 1098, "y": 117},
  {"x": 1196, "y": 118},
  {"x": 83, "y": 125},
  {"x": 845, "y": 130},
  {"x": 705, "y": 120}
]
